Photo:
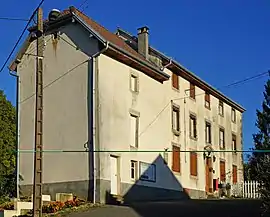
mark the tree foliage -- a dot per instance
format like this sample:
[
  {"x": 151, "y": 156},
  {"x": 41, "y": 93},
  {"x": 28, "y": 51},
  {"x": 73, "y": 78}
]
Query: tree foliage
[
  {"x": 259, "y": 162},
  {"x": 7, "y": 147}
]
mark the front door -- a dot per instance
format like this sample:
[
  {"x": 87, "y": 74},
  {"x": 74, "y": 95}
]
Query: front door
[
  {"x": 208, "y": 175},
  {"x": 114, "y": 175}
]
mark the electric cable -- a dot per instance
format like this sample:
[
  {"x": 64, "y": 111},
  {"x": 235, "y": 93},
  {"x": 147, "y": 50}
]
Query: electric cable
[{"x": 18, "y": 41}]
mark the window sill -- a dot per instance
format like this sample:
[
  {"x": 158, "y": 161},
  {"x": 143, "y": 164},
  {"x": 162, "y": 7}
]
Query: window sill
[
  {"x": 193, "y": 99},
  {"x": 175, "y": 89},
  {"x": 175, "y": 132},
  {"x": 133, "y": 180},
  {"x": 193, "y": 138},
  {"x": 133, "y": 147},
  {"x": 208, "y": 107},
  {"x": 221, "y": 115},
  {"x": 194, "y": 177},
  {"x": 176, "y": 173},
  {"x": 134, "y": 92}
]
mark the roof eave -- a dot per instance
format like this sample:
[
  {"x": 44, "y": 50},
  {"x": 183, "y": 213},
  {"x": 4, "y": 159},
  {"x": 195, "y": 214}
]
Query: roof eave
[
  {"x": 198, "y": 79},
  {"x": 156, "y": 70},
  {"x": 13, "y": 65}
]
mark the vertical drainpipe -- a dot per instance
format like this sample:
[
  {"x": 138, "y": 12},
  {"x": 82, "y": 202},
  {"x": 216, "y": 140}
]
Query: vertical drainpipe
[
  {"x": 17, "y": 133},
  {"x": 93, "y": 146}
]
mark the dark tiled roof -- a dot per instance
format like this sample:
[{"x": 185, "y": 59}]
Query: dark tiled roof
[{"x": 106, "y": 34}]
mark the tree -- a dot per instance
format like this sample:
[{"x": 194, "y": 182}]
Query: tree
[
  {"x": 246, "y": 171},
  {"x": 259, "y": 161},
  {"x": 7, "y": 147}
]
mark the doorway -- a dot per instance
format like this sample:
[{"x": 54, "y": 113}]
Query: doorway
[
  {"x": 208, "y": 175},
  {"x": 114, "y": 175}
]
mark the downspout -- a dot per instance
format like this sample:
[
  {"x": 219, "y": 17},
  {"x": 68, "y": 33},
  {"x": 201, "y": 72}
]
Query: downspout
[
  {"x": 167, "y": 65},
  {"x": 17, "y": 134},
  {"x": 91, "y": 124}
]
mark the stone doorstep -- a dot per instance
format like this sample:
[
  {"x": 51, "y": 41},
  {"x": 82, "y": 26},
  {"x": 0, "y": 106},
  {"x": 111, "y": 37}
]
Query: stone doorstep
[{"x": 119, "y": 198}]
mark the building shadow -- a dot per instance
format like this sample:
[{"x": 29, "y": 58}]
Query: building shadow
[
  {"x": 158, "y": 192},
  {"x": 155, "y": 182}
]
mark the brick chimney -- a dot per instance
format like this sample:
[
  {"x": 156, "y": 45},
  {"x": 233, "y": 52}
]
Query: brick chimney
[{"x": 143, "y": 43}]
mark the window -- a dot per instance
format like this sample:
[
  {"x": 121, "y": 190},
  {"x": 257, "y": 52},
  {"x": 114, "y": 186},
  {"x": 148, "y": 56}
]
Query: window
[
  {"x": 134, "y": 125},
  {"x": 207, "y": 100},
  {"x": 221, "y": 108},
  {"x": 192, "y": 91},
  {"x": 175, "y": 81},
  {"x": 176, "y": 119},
  {"x": 234, "y": 174},
  {"x": 221, "y": 138},
  {"x": 233, "y": 115},
  {"x": 207, "y": 132},
  {"x": 134, "y": 87},
  {"x": 234, "y": 146},
  {"x": 176, "y": 159},
  {"x": 193, "y": 126},
  {"x": 193, "y": 163},
  {"x": 133, "y": 170},
  {"x": 222, "y": 171}
]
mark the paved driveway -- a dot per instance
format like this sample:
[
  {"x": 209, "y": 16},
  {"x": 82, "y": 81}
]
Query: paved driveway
[{"x": 191, "y": 208}]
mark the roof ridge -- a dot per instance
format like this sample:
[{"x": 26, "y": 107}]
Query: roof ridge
[{"x": 83, "y": 14}]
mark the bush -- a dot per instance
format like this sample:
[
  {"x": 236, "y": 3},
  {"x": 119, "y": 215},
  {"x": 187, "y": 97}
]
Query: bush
[
  {"x": 57, "y": 206},
  {"x": 7, "y": 206}
]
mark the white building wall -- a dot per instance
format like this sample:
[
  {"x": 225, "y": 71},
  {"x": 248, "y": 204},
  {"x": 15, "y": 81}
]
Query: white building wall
[{"x": 153, "y": 103}]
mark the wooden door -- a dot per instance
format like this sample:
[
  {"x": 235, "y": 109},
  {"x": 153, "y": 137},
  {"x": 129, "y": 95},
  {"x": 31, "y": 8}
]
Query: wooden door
[
  {"x": 114, "y": 175},
  {"x": 207, "y": 170}
]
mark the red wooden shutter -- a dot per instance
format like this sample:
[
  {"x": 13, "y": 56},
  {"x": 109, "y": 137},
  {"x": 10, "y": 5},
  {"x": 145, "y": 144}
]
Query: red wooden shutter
[
  {"x": 192, "y": 90},
  {"x": 175, "y": 81},
  {"x": 234, "y": 174},
  {"x": 176, "y": 159},
  {"x": 193, "y": 163},
  {"x": 222, "y": 171}
]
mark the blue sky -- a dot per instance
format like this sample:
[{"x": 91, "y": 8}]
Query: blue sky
[{"x": 220, "y": 41}]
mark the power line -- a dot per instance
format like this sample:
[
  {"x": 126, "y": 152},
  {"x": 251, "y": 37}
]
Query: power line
[
  {"x": 13, "y": 19},
  {"x": 232, "y": 84},
  {"x": 55, "y": 80},
  {"x": 226, "y": 86},
  {"x": 18, "y": 41}
]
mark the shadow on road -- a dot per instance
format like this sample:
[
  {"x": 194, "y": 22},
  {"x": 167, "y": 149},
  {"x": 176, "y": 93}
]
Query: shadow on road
[{"x": 194, "y": 208}]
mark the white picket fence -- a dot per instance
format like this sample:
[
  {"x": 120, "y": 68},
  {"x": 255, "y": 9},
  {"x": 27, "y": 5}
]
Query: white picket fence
[{"x": 247, "y": 189}]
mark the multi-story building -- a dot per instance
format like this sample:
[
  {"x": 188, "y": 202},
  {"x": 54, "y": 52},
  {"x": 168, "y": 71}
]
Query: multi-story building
[{"x": 152, "y": 129}]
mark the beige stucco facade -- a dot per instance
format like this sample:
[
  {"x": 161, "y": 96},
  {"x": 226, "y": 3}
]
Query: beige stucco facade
[{"x": 66, "y": 122}]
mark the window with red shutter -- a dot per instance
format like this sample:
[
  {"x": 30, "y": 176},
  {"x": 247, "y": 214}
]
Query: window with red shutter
[
  {"x": 176, "y": 159},
  {"x": 192, "y": 91},
  {"x": 175, "y": 81},
  {"x": 193, "y": 164},
  {"x": 222, "y": 171},
  {"x": 207, "y": 100},
  {"x": 234, "y": 175}
]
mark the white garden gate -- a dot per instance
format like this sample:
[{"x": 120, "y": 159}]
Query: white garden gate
[{"x": 247, "y": 189}]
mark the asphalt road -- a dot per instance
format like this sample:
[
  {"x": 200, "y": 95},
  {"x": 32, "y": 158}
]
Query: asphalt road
[{"x": 191, "y": 208}]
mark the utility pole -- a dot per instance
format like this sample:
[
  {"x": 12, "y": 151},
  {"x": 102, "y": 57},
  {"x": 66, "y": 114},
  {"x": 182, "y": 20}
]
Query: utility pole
[{"x": 37, "y": 187}]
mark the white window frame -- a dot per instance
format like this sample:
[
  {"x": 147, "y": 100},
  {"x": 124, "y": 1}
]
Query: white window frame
[
  {"x": 222, "y": 141},
  {"x": 208, "y": 133},
  {"x": 193, "y": 126},
  {"x": 134, "y": 169},
  {"x": 176, "y": 129},
  {"x": 134, "y": 83},
  {"x": 233, "y": 115},
  {"x": 136, "y": 115},
  {"x": 221, "y": 108}
]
